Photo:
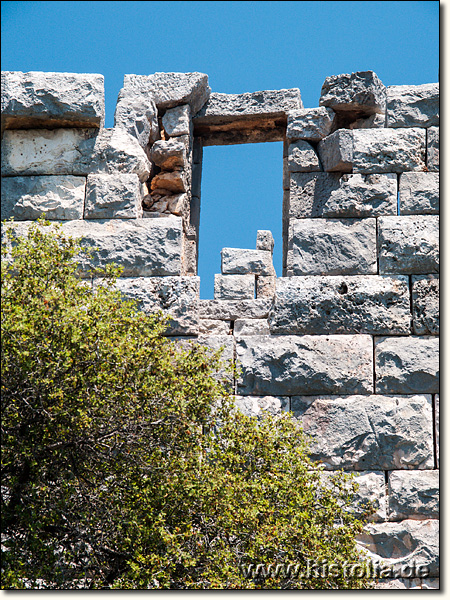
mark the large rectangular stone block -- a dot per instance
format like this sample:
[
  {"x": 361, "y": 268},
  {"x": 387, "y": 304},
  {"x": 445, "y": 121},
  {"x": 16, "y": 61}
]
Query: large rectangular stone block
[
  {"x": 332, "y": 247},
  {"x": 37, "y": 99},
  {"x": 311, "y": 124},
  {"x": 59, "y": 197},
  {"x": 251, "y": 327},
  {"x": 408, "y": 244},
  {"x": 425, "y": 304},
  {"x": 433, "y": 148},
  {"x": 336, "y": 151},
  {"x": 234, "y": 287},
  {"x": 368, "y": 432},
  {"x": 413, "y": 495},
  {"x": 115, "y": 196},
  {"x": 230, "y": 310},
  {"x": 407, "y": 365},
  {"x": 290, "y": 365},
  {"x": 388, "y": 150},
  {"x": 302, "y": 158},
  {"x": 359, "y": 94},
  {"x": 419, "y": 193},
  {"x": 413, "y": 105},
  {"x": 341, "y": 304},
  {"x": 237, "y": 261}
]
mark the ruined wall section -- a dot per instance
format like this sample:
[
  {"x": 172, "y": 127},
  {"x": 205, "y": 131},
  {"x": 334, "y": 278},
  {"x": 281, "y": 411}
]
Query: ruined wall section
[{"x": 348, "y": 338}]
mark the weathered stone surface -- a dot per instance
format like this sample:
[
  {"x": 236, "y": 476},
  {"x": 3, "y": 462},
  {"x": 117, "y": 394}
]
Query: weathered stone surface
[
  {"x": 178, "y": 204},
  {"x": 388, "y": 150},
  {"x": 332, "y": 246},
  {"x": 413, "y": 105},
  {"x": 336, "y": 151},
  {"x": 266, "y": 286},
  {"x": 255, "y": 406},
  {"x": 436, "y": 427},
  {"x": 310, "y": 124},
  {"x": 72, "y": 152},
  {"x": 377, "y": 120},
  {"x": 59, "y": 197},
  {"x": 408, "y": 244},
  {"x": 230, "y": 310},
  {"x": 425, "y": 298},
  {"x": 234, "y": 287},
  {"x": 413, "y": 495},
  {"x": 264, "y": 240},
  {"x": 331, "y": 195},
  {"x": 305, "y": 364},
  {"x": 433, "y": 148},
  {"x": 419, "y": 193},
  {"x": 302, "y": 158},
  {"x": 237, "y": 261},
  {"x": 368, "y": 432},
  {"x": 35, "y": 99},
  {"x": 175, "y": 296},
  {"x": 176, "y": 121},
  {"x": 341, "y": 304},
  {"x": 251, "y": 327},
  {"x": 361, "y": 94},
  {"x": 169, "y": 154},
  {"x": 113, "y": 196},
  {"x": 170, "y": 181},
  {"x": 407, "y": 365},
  {"x": 403, "y": 545},
  {"x": 214, "y": 327}
]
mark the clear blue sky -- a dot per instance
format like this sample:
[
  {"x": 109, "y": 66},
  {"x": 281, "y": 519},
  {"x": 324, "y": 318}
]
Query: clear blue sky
[{"x": 243, "y": 47}]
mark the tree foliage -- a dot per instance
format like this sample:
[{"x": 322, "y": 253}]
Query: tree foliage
[{"x": 125, "y": 464}]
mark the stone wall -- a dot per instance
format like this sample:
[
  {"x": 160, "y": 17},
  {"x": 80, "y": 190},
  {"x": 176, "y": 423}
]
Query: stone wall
[{"x": 347, "y": 339}]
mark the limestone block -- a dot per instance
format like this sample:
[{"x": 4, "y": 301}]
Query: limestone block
[
  {"x": 264, "y": 240},
  {"x": 234, "y": 287},
  {"x": 255, "y": 406},
  {"x": 419, "y": 193},
  {"x": 266, "y": 286},
  {"x": 436, "y": 426},
  {"x": 368, "y": 432},
  {"x": 310, "y": 124},
  {"x": 433, "y": 148},
  {"x": 59, "y": 197},
  {"x": 72, "y": 152},
  {"x": 177, "y": 204},
  {"x": 361, "y": 93},
  {"x": 413, "y": 105},
  {"x": 388, "y": 150},
  {"x": 251, "y": 327},
  {"x": 336, "y": 151},
  {"x": 169, "y": 154},
  {"x": 425, "y": 298},
  {"x": 409, "y": 244},
  {"x": 230, "y": 310},
  {"x": 334, "y": 196},
  {"x": 377, "y": 120},
  {"x": 175, "y": 296},
  {"x": 332, "y": 246},
  {"x": 136, "y": 112},
  {"x": 176, "y": 121},
  {"x": 305, "y": 364},
  {"x": 413, "y": 495},
  {"x": 403, "y": 545},
  {"x": 237, "y": 261},
  {"x": 35, "y": 99},
  {"x": 172, "y": 182},
  {"x": 302, "y": 158},
  {"x": 407, "y": 365},
  {"x": 214, "y": 327},
  {"x": 341, "y": 304},
  {"x": 113, "y": 196}
]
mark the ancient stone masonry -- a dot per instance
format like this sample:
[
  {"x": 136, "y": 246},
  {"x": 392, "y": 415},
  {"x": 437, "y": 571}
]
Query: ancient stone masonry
[{"x": 347, "y": 338}]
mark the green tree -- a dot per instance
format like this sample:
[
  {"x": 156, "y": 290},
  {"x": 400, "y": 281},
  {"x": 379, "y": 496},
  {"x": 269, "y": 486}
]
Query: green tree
[{"x": 125, "y": 464}]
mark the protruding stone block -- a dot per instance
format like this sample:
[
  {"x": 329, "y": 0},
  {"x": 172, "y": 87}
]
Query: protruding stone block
[
  {"x": 336, "y": 151},
  {"x": 413, "y": 105},
  {"x": 237, "y": 261},
  {"x": 251, "y": 327},
  {"x": 425, "y": 298},
  {"x": 368, "y": 432},
  {"x": 388, "y": 150},
  {"x": 433, "y": 148},
  {"x": 407, "y": 365},
  {"x": 358, "y": 94},
  {"x": 341, "y": 304},
  {"x": 305, "y": 364},
  {"x": 230, "y": 310},
  {"x": 419, "y": 193},
  {"x": 34, "y": 99},
  {"x": 113, "y": 196},
  {"x": 310, "y": 124},
  {"x": 176, "y": 121},
  {"x": 59, "y": 197},
  {"x": 332, "y": 247},
  {"x": 408, "y": 244},
  {"x": 169, "y": 154},
  {"x": 302, "y": 158},
  {"x": 264, "y": 240},
  {"x": 413, "y": 495},
  {"x": 255, "y": 406},
  {"x": 234, "y": 287}
]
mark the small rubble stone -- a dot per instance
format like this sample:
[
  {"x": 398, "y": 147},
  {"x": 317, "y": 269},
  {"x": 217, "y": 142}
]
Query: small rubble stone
[
  {"x": 237, "y": 261},
  {"x": 302, "y": 158},
  {"x": 413, "y": 105},
  {"x": 264, "y": 240},
  {"x": 433, "y": 148},
  {"x": 332, "y": 247},
  {"x": 113, "y": 196},
  {"x": 177, "y": 204},
  {"x": 310, "y": 124},
  {"x": 368, "y": 432},
  {"x": 176, "y": 121},
  {"x": 419, "y": 193},
  {"x": 214, "y": 327},
  {"x": 361, "y": 94},
  {"x": 266, "y": 286},
  {"x": 251, "y": 327},
  {"x": 408, "y": 244},
  {"x": 305, "y": 364},
  {"x": 234, "y": 287},
  {"x": 59, "y": 197},
  {"x": 336, "y": 151},
  {"x": 407, "y": 365},
  {"x": 388, "y": 150},
  {"x": 172, "y": 181},
  {"x": 425, "y": 298},
  {"x": 413, "y": 495},
  {"x": 255, "y": 406},
  {"x": 341, "y": 304},
  {"x": 169, "y": 154},
  {"x": 230, "y": 310}
]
